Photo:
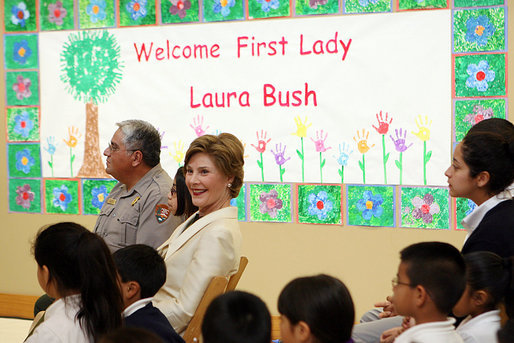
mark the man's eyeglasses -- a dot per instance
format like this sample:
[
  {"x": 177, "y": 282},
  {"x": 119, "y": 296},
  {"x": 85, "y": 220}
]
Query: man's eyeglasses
[
  {"x": 115, "y": 148},
  {"x": 395, "y": 282}
]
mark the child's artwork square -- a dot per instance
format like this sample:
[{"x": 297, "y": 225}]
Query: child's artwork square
[
  {"x": 319, "y": 204},
  {"x": 94, "y": 193},
  {"x": 221, "y": 10},
  {"x": 305, "y": 7},
  {"x": 463, "y": 207},
  {"x": 137, "y": 12},
  {"x": 19, "y": 15},
  {"x": 179, "y": 11},
  {"x": 96, "y": 13},
  {"x": 23, "y": 124},
  {"x": 480, "y": 75},
  {"x": 367, "y": 6},
  {"x": 25, "y": 195},
  {"x": 21, "y": 51},
  {"x": 22, "y": 88},
  {"x": 268, "y": 8},
  {"x": 24, "y": 160},
  {"x": 481, "y": 29},
  {"x": 471, "y": 112},
  {"x": 425, "y": 207},
  {"x": 270, "y": 202},
  {"x": 240, "y": 203},
  {"x": 421, "y": 4},
  {"x": 61, "y": 196},
  {"x": 57, "y": 15},
  {"x": 371, "y": 205},
  {"x": 477, "y": 3}
]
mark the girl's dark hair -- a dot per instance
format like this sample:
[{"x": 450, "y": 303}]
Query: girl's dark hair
[
  {"x": 487, "y": 271},
  {"x": 184, "y": 202},
  {"x": 321, "y": 301},
  {"x": 79, "y": 261},
  {"x": 489, "y": 146}
]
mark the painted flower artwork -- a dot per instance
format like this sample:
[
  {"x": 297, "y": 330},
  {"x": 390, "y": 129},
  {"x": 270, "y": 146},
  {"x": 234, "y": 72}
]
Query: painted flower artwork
[
  {"x": 21, "y": 51},
  {"x": 425, "y": 208},
  {"x": 223, "y": 6},
  {"x": 57, "y": 13},
  {"x": 24, "y": 196},
  {"x": 315, "y": 3},
  {"x": 61, "y": 197},
  {"x": 479, "y": 113},
  {"x": 24, "y": 160},
  {"x": 137, "y": 9},
  {"x": 479, "y": 76},
  {"x": 320, "y": 205},
  {"x": 267, "y": 5},
  {"x": 471, "y": 207},
  {"x": 270, "y": 203},
  {"x": 99, "y": 194},
  {"x": 22, "y": 87},
  {"x": 180, "y": 7},
  {"x": 23, "y": 124},
  {"x": 96, "y": 10},
  {"x": 20, "y": 14},
  {"x": 370, "y": 205},
  {"x": 365, "y": 3},
  {"x": 479, "y": 30}
]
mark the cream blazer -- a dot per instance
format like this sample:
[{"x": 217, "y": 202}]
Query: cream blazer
[{"x": 209, "y": 247}]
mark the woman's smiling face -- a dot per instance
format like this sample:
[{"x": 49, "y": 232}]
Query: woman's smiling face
[{"x": 207, "y": 184}]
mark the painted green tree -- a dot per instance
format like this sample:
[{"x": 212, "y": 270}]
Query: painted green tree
[{"x": 91, "y": 69}]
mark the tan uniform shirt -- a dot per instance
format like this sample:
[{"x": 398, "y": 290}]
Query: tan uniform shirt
[{"x": 140, "y": 215}]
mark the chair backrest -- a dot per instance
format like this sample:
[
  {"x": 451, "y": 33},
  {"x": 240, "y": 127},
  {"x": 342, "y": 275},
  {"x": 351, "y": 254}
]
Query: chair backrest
[
  {"x": 217, "y": 286},
  {"x": 234, "y": 279}
]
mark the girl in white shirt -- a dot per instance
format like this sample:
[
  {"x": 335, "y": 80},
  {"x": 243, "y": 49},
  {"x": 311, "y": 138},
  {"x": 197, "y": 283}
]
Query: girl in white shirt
[
  {"x": 489, "y": 282},
  {"x": 75, "y": 267}
]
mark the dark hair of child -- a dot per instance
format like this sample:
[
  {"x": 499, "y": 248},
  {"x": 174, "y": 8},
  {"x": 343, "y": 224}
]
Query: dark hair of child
[
  {"x": 323, "y": 303},
  {"x": 79, "y": 260},
  {"x": 489, "y": 146},
  {"x": 184, "y": 202},
  {"x": 236, "y": 317},
  {"x": 488, "y": 271},
  {"x": 439, "y": 268},
  {"x": 130, "y": 335},
  {"x": 506, "y": 332},
  {"x": 141, "y": 263}
]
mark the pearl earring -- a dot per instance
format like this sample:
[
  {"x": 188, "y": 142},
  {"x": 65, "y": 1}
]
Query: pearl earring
[{"x": 229, "y": 185}]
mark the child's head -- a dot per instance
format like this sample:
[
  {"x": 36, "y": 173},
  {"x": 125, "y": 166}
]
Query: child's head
[
  {"x": 130, "y": 335},
  {"x": 142, "y": 272},
  {"x": 72, "y": 260},
  {"x": 319, "y": 308},
  {"x": 484, "y": 159},
  {"x": 430, "y": 278},
  {"x": 179, "y": 198},
  {"x": 236, "y": 317},
  {"x": 488, "y": 282}
]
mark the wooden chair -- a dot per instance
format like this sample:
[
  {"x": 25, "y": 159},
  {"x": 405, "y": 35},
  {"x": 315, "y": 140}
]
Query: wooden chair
[{"x": 217, "y": 286}]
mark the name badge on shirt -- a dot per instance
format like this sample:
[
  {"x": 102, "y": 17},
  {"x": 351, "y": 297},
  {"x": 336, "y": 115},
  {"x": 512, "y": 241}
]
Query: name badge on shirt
[{"x": 111, "y": 201}]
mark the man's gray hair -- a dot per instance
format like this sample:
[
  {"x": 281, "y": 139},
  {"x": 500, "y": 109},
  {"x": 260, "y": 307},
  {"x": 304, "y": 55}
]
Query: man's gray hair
[{"x": 141, "y": 135}]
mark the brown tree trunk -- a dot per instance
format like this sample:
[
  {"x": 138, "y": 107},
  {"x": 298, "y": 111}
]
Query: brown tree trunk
[{"x": 92, "y": 165}]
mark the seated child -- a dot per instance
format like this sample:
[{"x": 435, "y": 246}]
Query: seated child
[
  {"x": 75, "y": 268},
  {"x": 316, "y": 309},
  {"x": 130, "y": 335},
  {"x": 430, "y": 281},
  {"x": 142, "y": 272},
  {"x": 488, "y": 283},
  {"x": 236, "y": 317}
]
